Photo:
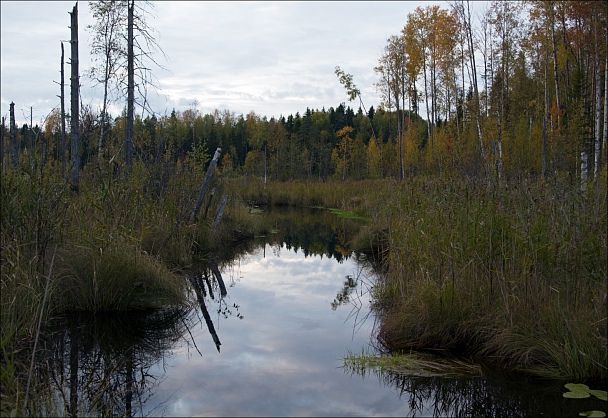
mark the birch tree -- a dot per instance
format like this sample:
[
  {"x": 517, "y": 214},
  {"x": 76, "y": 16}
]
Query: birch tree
[
  {"x": 108, "y": 50},
  {"x": 505, "y": 22},
  {"x": 393, "y": 85},
  {"x": 126, "y": 47},
  {"x": 463, "y": 11}
]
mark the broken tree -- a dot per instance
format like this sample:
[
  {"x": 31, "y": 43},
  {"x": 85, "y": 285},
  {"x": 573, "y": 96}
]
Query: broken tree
[{"x": 206, "y": 181}]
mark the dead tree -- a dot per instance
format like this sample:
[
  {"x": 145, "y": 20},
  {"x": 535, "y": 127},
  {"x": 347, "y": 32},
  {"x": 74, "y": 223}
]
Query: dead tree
[
  {"x": 2, "y": 146},
  {"x": 130, "y": 89},
  {"x": 220, "y": 211},
  {"x": 205, "y": 184},
  {"x": 75, "y": 106},
  {"x": 13, "y": 137},
  {"x": 63, "y": 153},
  {"x": 108, "y": 48}
]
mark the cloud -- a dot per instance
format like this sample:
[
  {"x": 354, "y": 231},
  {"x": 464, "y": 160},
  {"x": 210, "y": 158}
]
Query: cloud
[{"x": 276, "y": 58}]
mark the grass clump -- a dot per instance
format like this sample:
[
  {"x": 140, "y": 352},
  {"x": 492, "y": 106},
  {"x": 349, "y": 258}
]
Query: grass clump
[{"x": 117, "y": 278}]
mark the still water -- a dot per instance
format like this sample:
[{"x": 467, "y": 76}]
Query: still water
[
  {"x": 267, "y": 339},
  {"x": 281, "y": 344}
]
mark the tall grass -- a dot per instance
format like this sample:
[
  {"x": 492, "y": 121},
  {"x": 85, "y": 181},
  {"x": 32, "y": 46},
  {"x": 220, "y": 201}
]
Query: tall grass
[
  {"x": 120, "y": 246},
  {"x": 515, "y": 275}
]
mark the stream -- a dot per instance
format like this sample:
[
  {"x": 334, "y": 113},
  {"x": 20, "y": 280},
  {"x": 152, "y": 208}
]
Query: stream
[{"x": 268, "y": 339}]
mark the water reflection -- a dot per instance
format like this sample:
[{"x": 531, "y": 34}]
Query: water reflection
[
  {"x": 313, "y": 232},
  {"x": 278, "y": 308},
  {"x": 494, "y": 394},
  {"x": 343, "y": 297},
  {"x": 98, "y": 364}
]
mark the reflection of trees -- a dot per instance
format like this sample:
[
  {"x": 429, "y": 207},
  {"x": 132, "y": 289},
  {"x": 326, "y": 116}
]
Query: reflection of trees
[
  {"x": 491, "y": 395},
  {"x": 314, "y": 232},
  {"x": 98, "y": 364},
  {"x": 343, "y": 297},
  {"x": 205, "y": 285}
]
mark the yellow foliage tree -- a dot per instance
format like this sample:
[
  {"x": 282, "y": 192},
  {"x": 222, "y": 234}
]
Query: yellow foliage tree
[{"x": 373, "y": 159}]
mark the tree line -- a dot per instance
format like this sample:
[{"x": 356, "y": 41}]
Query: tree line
[{"x": 518, "y": 90}]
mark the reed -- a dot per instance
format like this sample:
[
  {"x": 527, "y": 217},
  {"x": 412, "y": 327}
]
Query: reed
[
  {"x": 514, "y": 275},
  {"x": 100, "y": 262}
]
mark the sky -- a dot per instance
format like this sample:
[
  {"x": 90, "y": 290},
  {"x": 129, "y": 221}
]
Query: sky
[{"x": 273, "y": 58}]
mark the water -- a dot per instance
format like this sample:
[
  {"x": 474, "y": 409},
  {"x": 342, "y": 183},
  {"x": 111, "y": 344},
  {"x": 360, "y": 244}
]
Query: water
[
  {"x": 295, "y": 302},
  {"x": 281, "y": 344}
]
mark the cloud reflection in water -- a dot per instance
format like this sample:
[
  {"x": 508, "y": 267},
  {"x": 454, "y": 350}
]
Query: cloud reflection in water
[{"x": 283, "y": 357}]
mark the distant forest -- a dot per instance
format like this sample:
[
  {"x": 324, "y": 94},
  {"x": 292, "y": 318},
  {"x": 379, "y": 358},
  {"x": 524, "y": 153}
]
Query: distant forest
[{"x": 518, "y": 91}]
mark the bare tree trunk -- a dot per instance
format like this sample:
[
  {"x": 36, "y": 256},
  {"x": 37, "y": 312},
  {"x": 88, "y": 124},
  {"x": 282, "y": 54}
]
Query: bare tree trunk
[
  {"x": 220, "y": 211},
  {"x": 584, "y": 172},
  {"x": 598, "y": 115},
  {"x": 13, "y": 137},
  {"x": 205, "y": 184},
  {"x": 466, "y": 19},
  {"x": 426, "y": 103},
  {"x": 32, "y": 151},
  {"x": 555, "y": 74},
  {"x": 130, "y": 89},
  {"x": 75, "y": 105},
  {"x": 102, "y": 123},
  {"x": 605, "y": 103},
  {"x": 545, "y": 117},
  {"x": 63, "y": 153},
  {"x": 2, "y": 146}
]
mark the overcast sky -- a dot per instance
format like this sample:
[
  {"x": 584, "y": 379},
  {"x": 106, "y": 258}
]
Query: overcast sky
[{"x": 275, "y": 58}]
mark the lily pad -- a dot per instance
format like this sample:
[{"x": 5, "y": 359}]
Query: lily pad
[
  {"x": 594, "y": 414},
  {"x": 600, "y": 394},
  {"x": 577, "y": 387},
  {"x": 576, "y": 395}
]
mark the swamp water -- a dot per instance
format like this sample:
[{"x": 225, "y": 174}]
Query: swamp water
[{"x": 295, "y": 303}]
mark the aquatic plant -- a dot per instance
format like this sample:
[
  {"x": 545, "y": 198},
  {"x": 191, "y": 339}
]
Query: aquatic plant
[
  {"x": 411, "y": 364},
  {"x": 581, "y": 391}
]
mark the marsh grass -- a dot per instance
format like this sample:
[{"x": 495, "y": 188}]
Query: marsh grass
[
  {"x": 410, "y": 364},
  {"x": 356, "y": 197},
  {"x": 117, "y": 278},
  {"x": 512, "y": 274},
  {"x": 102, "y": 235},
  {"x": 515, "y": 275}
]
